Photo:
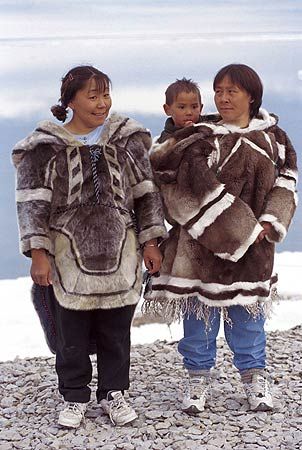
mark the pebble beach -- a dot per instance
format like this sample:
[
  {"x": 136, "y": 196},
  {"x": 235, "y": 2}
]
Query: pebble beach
[{"x": 29, "y": 405}]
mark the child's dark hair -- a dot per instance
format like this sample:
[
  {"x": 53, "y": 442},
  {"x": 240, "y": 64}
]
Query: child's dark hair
[
  {"x": 183, "y": 85},
  {"x": 246, "y": 78},
  {"x": 75, "y": 80}
]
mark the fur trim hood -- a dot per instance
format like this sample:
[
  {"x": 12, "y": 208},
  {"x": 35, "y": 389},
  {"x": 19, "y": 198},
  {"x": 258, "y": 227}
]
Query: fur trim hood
[{"x": 116, "y": 127}]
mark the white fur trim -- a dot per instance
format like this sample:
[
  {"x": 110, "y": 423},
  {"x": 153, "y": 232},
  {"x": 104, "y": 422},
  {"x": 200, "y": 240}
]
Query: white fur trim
[
  {"x": 212, "y": 288},
  {"x": 143, "y": 188},
  {"x": 258, "y": 149},
  {"x": 214, "y": 157},
  {"x": 285, "y": 183},
  {"x": 28, "y": 195},
  {"x": 280, "y": 229},
  {"x": 281, "y": 151},
  {"x": 268, "y": 140},
  {"x": 255, "y": 124},
  {"x": 211, "y": 215},
  {"x": 234, "y": 150},
  {"x": 267, "y": 218},
  {"x": 290, "y": 173},
  {"x": 244, "y": 247}
]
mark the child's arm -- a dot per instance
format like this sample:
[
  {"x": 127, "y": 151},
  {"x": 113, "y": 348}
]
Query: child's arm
[{"x": 281, "y": 202}]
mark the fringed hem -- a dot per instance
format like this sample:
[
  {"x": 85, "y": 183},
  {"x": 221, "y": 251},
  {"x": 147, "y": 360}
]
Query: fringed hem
[{"x": 176, "y": 309}]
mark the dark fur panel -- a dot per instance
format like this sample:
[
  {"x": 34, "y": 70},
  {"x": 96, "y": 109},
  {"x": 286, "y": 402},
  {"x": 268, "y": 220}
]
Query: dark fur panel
[
  {"x": 31, "y": 170},
  {"x": 290, "y": 155},
  {"x": 281, "y": 201},
  {"x": 230, "y": 230},
  {"x": 33, "y": 219},
  {"x": 149, "y": 213},
  {"x": 138, "y": 157}
]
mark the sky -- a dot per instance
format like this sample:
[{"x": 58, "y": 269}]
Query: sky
[
  {"x": 36, "y": 19},
  {"x": 40, "y": 40}
]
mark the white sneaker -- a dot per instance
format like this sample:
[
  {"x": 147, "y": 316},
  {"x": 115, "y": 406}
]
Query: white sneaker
[
  {"x": 258, "y": 393},
  {"x": 195, "y": 395},
  {"x": 72, "y": 415},
  {"x": 118, "y": 409}
]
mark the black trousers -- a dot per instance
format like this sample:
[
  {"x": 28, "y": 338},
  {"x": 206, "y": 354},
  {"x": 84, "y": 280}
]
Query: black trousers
[{"x": 111, "y": 332}]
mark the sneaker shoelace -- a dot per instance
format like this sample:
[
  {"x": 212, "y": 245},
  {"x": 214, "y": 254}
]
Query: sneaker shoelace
[
  {"x": 259, "y": 388},
  {"x": 75, "y": 408},
  {"x": 196, "y": 388},
  {"x": 119, "y": 406}
]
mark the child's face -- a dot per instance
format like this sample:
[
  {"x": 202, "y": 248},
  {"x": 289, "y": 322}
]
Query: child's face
[
  {"x": 185, "y": 109},
  {"x": 233, "y": 103},
  {"x": 90, "y": 107}
]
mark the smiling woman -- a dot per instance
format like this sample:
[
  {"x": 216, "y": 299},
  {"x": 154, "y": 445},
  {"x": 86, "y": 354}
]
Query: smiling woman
[
  {"x": 88, "y": 213},
  {"x": 86, "y": 91}
]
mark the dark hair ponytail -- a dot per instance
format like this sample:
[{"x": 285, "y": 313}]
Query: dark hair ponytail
[{"x": 59, "y": 112}]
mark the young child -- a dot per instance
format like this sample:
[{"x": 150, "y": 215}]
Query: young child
[
  {"x": 229, "y": 191},
  {"x": 77, "y": 188},
  {"x": 183, "y": 106}
]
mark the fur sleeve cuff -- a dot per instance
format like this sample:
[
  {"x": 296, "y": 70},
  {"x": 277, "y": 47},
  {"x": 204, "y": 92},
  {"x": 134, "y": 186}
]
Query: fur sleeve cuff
[
  {"x": 279, "y": 230},
  {"x": 27, "y": 245},
  {"x": 152, "y": 233},
  {"x": 143, "y": 188}
]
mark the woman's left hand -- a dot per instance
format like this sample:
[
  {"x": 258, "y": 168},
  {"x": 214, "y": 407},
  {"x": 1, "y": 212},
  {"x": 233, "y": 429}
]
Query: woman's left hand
[{"x": 152, "y": 259}]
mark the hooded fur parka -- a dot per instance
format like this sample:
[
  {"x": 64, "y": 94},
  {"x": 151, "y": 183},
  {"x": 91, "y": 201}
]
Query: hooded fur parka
[
  {"x": 77, "y": 202},
  {"x": 218, "y": 182}
]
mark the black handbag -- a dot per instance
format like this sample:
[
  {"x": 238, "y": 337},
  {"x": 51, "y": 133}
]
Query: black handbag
[{"x": 44, "y": 299}]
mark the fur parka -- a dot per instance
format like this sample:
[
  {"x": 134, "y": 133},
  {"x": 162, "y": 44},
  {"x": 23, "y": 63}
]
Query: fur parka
[
  {"x": 78, "y": 202},
  {"x": 218, "y": 183}
]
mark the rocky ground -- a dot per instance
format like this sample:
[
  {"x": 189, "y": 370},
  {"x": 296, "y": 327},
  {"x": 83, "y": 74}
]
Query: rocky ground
[{"x": 29, "y": 405}]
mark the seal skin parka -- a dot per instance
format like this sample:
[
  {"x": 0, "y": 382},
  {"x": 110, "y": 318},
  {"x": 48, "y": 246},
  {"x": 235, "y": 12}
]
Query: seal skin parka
[
  {"x": 77, "y": 201},
  {"x": 218, "y": 182}
]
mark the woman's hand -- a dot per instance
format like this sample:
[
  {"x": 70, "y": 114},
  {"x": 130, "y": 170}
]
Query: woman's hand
[
  {"x": 152, "y": 257},
  {"x": 40, "y": 267},
  {"x": 267, "y": 230}
]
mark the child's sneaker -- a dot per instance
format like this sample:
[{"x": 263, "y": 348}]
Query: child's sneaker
[
  {"x": 258, "y": 393},
  {"x": 118, "y": 409},
  {"x": 72, "y": 415},
  {"x": 195, "y": 395}
]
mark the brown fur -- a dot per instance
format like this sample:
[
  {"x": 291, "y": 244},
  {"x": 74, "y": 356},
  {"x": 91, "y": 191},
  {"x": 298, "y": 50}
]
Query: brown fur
[{"x": 216, "y": 188}]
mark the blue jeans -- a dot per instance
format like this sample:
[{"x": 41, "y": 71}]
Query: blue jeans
[{"x": 245, "y": 337}]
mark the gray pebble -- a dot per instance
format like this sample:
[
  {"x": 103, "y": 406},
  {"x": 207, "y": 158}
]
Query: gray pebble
[{"x": 30, "y": 403}]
